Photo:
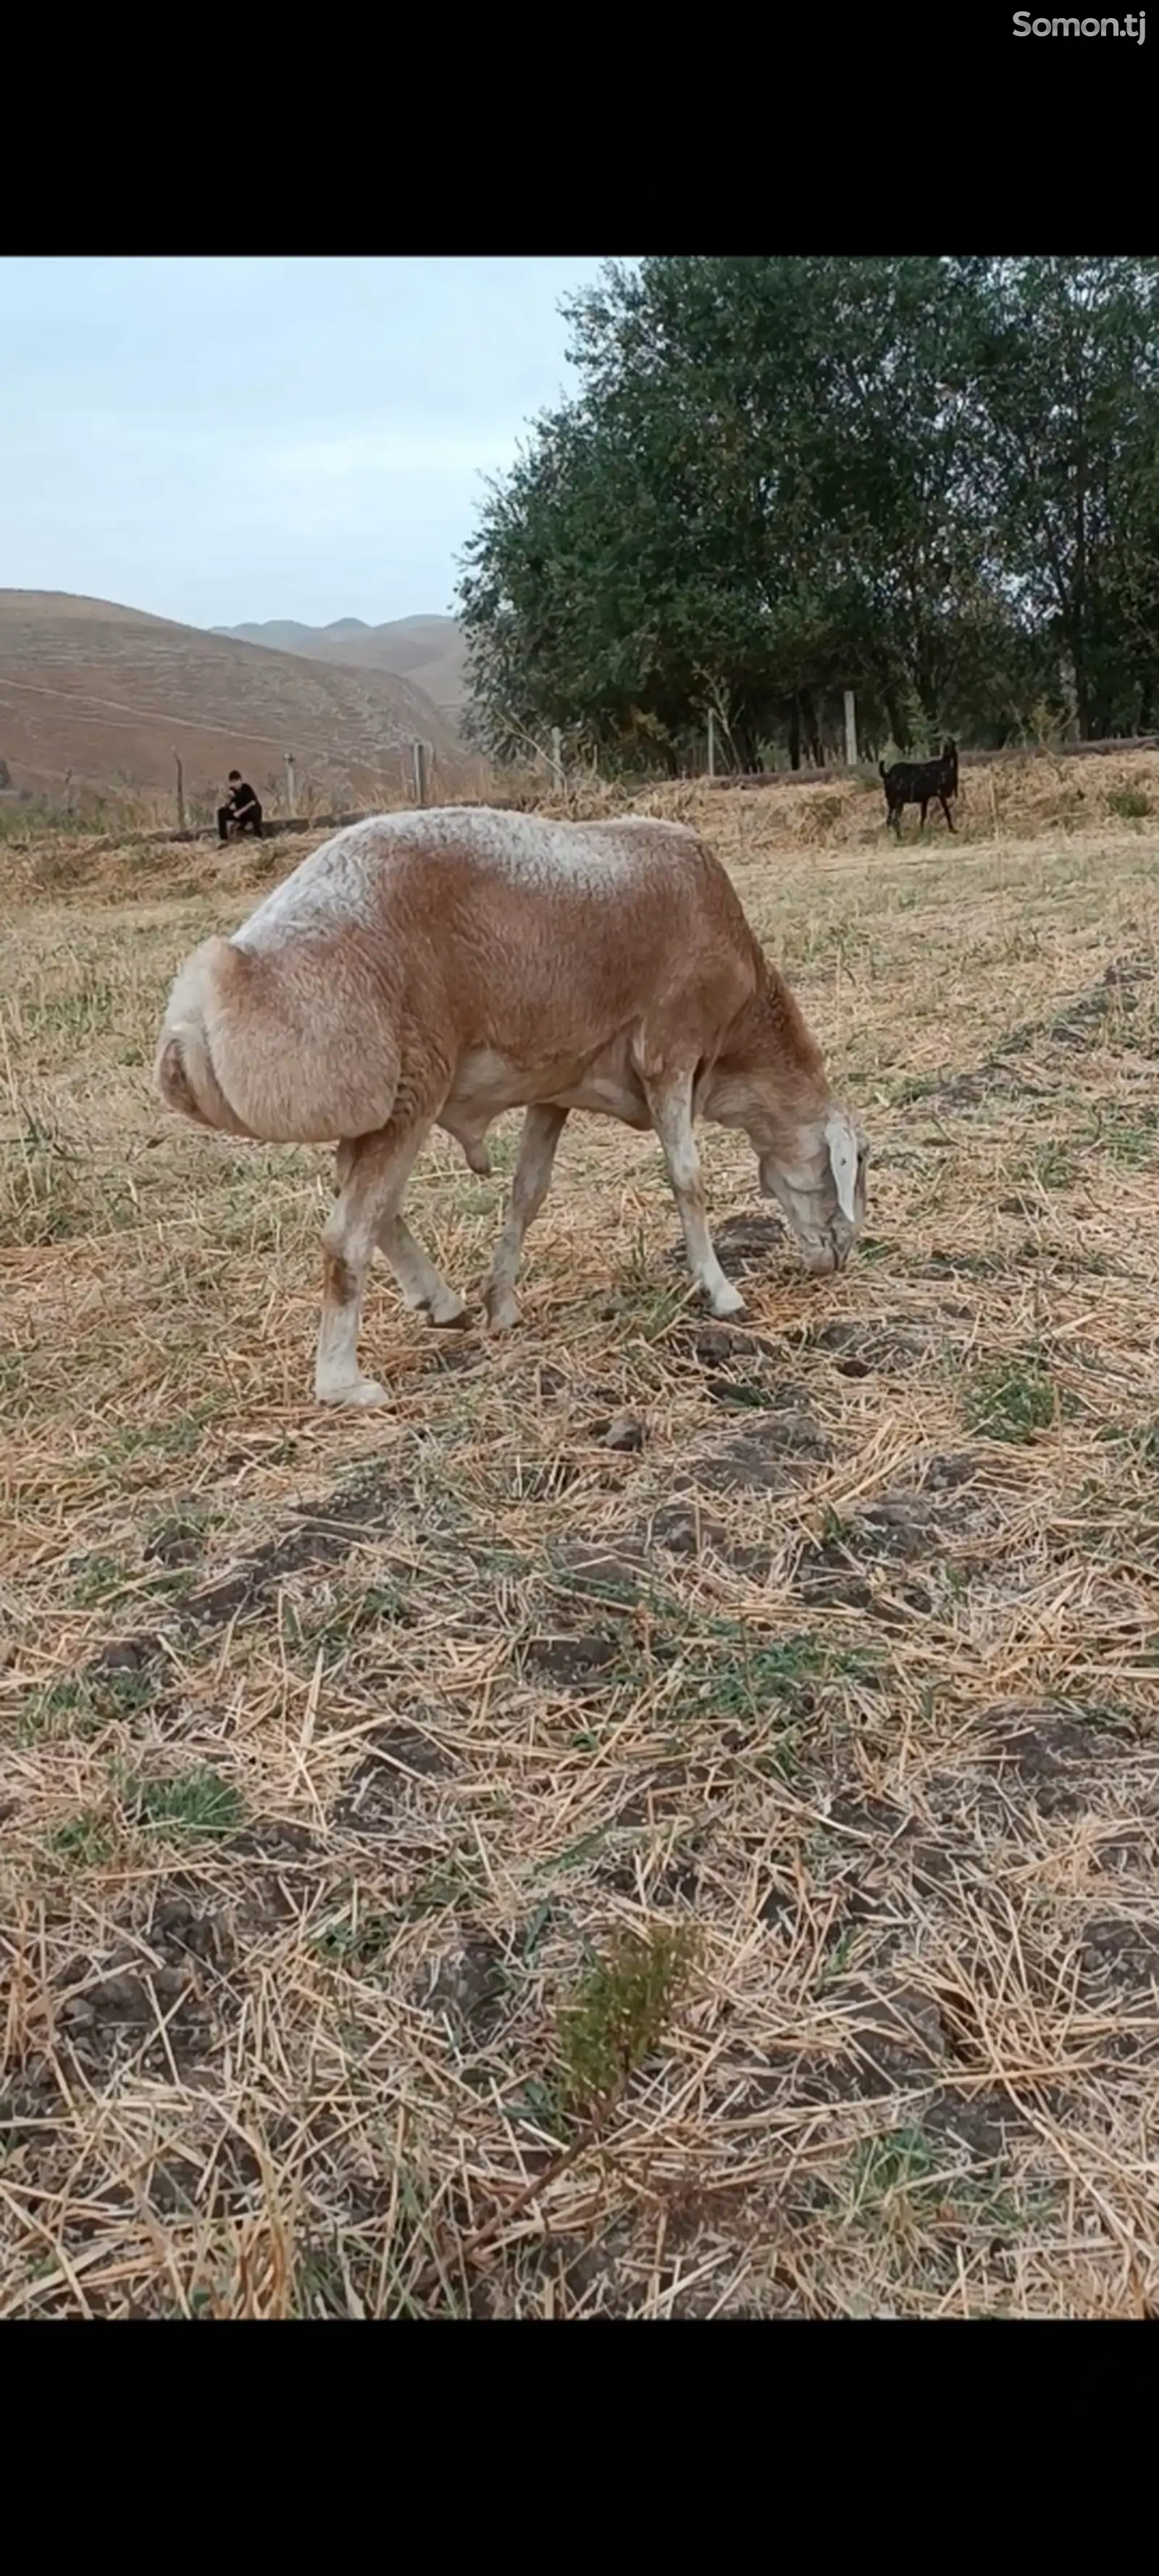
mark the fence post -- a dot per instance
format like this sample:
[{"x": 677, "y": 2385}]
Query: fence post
[
  {"x": 180, "y": 792},
  {"x": 850, "y": 729},
  {"x": 557, "y": 760},
  {"x": 711, "y": 743},
  {"x": 419, "y": 759},
  {"x": 291, "y": 784}
]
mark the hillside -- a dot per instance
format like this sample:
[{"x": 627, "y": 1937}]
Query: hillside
[
  {"x": 109, "y": 693},
  {"x": 430, "y": 652}
]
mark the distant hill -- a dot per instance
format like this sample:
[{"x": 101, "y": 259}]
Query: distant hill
[
  {"x": 430, "y": 652},
  {"x": 109, "y": 693}
]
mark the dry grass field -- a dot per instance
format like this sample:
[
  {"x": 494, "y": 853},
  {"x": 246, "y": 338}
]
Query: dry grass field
[{"x": 664, "y": 1821}]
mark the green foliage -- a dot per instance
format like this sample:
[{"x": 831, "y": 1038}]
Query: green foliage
[
  {"x": 1011, "y": 1400},
  {"x": 84, "y": 1841},
  {"x": 933, "y": 480},
  {"x": 194, "y": 1802},
  {"x": 619, "y": 2015}
]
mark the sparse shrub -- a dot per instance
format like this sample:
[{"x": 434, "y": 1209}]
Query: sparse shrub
[
  {"x": 619, "y": 2015},
  {"x": 1129, "y": 803}
]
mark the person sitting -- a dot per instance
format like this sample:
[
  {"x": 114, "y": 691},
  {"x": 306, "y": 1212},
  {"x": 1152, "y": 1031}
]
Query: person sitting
[{"x": 242, "y": 812}]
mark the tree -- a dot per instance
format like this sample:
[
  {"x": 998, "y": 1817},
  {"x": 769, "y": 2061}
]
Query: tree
[
  {"x": 932, "y": 480},
  {"x": 1065, "y": 397}
]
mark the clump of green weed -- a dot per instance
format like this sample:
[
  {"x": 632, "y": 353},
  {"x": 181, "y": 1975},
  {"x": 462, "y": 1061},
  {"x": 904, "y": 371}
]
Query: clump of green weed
[
  {"x": 98, "y": 1578},
  {"x": 745, "y": 1680},
  {"x": 84, "y": 1841},
  {"x": 193, "y": 1802},
  {"x": 1131, "y": 804},
  {"x": 80, "y": 1706},
  {"x": 892, "y": 2163},
  {"x": 1010, "y": 1400},
  {"x": 619, "y": 2014}
]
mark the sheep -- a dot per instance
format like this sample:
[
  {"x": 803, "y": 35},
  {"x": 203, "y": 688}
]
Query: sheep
[
  {"x": 917, "y": 782},
  {"x": 437, "y": 968}
]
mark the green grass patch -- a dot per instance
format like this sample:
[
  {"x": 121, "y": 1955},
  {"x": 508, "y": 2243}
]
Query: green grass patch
[
  {"x": 195, "y": 1803},
  {"x": 1010, "y": 1400},
  {"x": 84, "y": 1841}
]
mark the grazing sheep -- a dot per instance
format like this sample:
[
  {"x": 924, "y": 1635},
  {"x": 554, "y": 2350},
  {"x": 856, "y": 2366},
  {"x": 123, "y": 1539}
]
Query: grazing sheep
[{"x": 437, "y": 968}]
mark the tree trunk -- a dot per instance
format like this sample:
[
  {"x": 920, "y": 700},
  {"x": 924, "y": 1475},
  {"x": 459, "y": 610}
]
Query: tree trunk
[
  {"x": 897, "y": 723},
  {"x": 1084, "y": 709},
  {"x": 795, "y": 734},
  {"x": 812, "y": 734}
]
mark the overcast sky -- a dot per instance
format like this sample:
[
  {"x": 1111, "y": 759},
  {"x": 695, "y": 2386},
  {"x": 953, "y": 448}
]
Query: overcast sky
[{"x": 222, "y": 439}]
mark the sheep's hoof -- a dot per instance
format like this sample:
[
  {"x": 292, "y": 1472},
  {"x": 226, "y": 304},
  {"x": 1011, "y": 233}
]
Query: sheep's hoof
[
  {"x": 502, "y": 1310},
  {"x": 445, "y": 1312},
  {"x": 360, "y": 1391}
]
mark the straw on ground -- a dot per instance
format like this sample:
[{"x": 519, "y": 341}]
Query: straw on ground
[{"x": 347, "y": 1762}]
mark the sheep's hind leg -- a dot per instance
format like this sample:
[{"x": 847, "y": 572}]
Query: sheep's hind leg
[
  {"x": 373, "y": 1172},
  {"x": 542, "y": 1129},
  {"x": 422, "y": 1285}
]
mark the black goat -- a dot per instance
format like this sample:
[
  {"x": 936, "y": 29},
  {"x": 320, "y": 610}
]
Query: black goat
[{"x": 917, "y": 782}]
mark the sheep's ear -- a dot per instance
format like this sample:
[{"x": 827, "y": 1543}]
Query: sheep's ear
[{"x": 842, "y": 1143}]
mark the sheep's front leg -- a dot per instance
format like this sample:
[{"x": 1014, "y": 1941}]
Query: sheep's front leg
[
  {"x": 670, "y": 1104},
  {"x": 542, "y": 1128},
  {"x": 421, "y": 1284},
  {"x": 373, "y": 1172}
]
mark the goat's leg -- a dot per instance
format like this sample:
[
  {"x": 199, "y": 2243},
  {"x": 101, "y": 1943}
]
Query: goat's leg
[
  {"x": 373, "y": 1172},
  {"x": 542, "y": 1129},
  {"x": 421, "y": 1284},
  {"x": 946, "y": 811},
  {"x": 925, "y": 811},
  {"x": 670, "y": 1104}
]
